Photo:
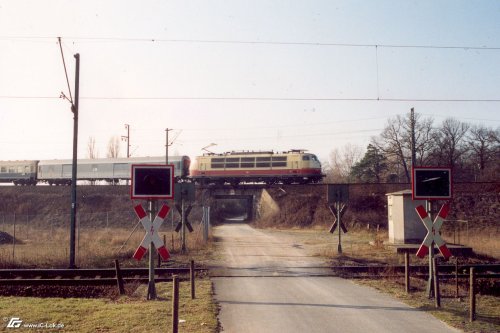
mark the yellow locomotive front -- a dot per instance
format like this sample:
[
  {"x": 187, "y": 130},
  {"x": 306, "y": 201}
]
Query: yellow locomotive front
[{"x": 294, "y": 166}]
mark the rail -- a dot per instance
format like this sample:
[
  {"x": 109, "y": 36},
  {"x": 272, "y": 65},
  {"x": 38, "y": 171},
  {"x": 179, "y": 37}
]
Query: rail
[{"x": 105, "y": 276}]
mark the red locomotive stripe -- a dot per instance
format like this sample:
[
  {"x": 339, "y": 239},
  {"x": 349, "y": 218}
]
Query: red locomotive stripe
[{"x": 247, "y": 172}]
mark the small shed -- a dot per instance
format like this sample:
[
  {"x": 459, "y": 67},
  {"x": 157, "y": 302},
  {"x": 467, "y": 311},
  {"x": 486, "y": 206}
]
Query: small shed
[{"x": 405, "y": 226}]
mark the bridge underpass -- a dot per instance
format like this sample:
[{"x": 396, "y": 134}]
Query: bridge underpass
[
  {"x": 238, "y": 204},
  {"x": 236, "y": 207}
]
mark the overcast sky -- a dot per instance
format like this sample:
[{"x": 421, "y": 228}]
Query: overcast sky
[{"x": 245, "y": 75}]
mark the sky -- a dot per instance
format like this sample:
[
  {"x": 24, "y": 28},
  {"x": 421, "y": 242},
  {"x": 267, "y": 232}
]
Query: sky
[{"x": 239, "y": 75}]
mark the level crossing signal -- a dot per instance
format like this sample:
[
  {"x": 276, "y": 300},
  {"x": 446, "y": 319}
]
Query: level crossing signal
[
  {"x": 151, "y": 232},
  {"x": 186, "y": 222},
  {"x": 433, "y": 231},
  {"x": 340, "y": 213}
]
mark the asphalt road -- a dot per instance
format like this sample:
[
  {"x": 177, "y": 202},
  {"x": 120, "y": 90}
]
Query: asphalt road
[{"x": 265, "y": 282}]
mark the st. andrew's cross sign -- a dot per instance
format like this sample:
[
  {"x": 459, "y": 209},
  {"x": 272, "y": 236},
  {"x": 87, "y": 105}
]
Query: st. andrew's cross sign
[{"x": 151, "y": 232}]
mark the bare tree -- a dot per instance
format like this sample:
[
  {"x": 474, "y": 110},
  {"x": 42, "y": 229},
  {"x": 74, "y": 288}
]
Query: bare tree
[
  {"x": 341, "y": 163},
  {"x": 483, "y": 145},
  {"x": 92, "y": 152},
  {"x": 114, "y": 147},
  {"x": 450, "y": 142},
  {"x": 395, "y": 142}
]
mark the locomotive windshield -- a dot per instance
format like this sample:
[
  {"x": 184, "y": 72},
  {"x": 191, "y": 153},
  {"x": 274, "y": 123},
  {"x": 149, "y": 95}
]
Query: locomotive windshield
[{"x": 309, "y": 158}]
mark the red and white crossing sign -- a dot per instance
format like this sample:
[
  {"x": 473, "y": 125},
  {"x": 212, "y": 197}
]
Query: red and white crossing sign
[
  {"x": 433, "y": 231},
  {"x": 151, "y": 232}
]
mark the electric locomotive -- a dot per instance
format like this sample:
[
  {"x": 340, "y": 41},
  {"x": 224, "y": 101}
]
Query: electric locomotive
[{"x": 294, "y": 166}]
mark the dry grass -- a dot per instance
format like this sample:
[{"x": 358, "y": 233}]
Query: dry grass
[
  {"x": 453, "y": 311},
  {"x": 483, "y": 240},
  {"x": 95, "y": 247}
]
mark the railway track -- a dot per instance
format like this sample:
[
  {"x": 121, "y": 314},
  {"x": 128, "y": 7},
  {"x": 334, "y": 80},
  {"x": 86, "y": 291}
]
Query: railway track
[
  {"x": 72, "y": 277},
  {"x": 361, "y": 272},
  {"x": 107, "y": 276}
]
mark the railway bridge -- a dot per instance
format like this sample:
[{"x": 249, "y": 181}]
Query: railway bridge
[{"x": 241, "y": 203}]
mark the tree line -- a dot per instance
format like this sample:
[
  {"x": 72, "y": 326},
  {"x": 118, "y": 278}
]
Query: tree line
[
  {"x": 471, "y": 151},
  {"x": 113, "y": 148}
]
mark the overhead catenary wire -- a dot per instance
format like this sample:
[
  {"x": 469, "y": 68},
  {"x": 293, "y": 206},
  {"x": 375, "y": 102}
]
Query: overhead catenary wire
[
  {"x": 65, "y": 73},
  {"x": 250, "y": 42},
  {"x": 276, "y": 99},
  {"x": 255, "y": 98}
]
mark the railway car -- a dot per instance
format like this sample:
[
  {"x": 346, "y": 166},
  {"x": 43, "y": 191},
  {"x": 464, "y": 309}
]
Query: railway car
[
  {"x": 294, "y": 166},
  {"x": 59, "y": 172},
  {"x": 18, "y": 172}
]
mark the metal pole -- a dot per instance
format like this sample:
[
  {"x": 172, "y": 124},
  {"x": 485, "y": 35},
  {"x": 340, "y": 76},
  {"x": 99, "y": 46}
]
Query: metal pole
[
  {"x": 437, "y": 295},
  {"x": 183, "y": 229},
  {"x": 151, "y": 279},
  {"x": 456, "y": 277},
  {"x": 128, "y": 140},
  {"x": 430, "y": 289},
  {"x": 339, "y": 248},
  {"x": 14, "y": 241},
  {"x": 74, "y": 109},
  {"x": 205, "y": 223}
]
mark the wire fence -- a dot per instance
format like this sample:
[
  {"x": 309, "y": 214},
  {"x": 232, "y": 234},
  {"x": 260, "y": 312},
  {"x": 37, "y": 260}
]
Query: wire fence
[{"x": 44, "y": 239}]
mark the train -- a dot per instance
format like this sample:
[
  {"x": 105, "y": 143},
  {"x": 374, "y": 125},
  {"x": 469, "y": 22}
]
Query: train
[
  {"x": 290, "y": 167},
  {"x": 295, "y": 166},
  {"x": 59, "y": 172}
]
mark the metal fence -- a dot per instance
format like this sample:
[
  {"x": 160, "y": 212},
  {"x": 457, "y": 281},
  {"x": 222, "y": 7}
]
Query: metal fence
[{"x": 44, "y": 239}]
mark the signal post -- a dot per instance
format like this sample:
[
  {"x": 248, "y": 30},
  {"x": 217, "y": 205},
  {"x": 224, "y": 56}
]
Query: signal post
[
  {"x": 152, "y": 183},
  {"x": 338, "y": 196},
  {"x": 432, "y": 183}
]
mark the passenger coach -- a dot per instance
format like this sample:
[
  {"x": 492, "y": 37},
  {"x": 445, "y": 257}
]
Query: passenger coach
[
  {"x": 18, "y": 172},
  {"x": 294, "y": 166},
  {"x": 58, "y": 172}
]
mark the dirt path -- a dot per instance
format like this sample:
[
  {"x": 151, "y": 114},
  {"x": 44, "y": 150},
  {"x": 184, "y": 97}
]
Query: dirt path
[{"x": 267, "y": 282}]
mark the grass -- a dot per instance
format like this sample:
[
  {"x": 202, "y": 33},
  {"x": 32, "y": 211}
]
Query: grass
[
  {"x": 453, "y": 311},
  {"x": 95, "y": 247},
  {"x": 125, "y": 314},
  {"x": 98, "y": 247}
]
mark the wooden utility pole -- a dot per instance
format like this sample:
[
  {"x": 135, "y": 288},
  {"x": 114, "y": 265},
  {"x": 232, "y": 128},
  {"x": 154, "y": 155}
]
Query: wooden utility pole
[
  {"x": 127, "y": 138},
  {"x": 175, "y": 304},
  {"x": 74, "y": 109},
  {"x": 412, "y": 129},
  {"x": 472, "y": 295},
  {"x": 166, "y": 144}
]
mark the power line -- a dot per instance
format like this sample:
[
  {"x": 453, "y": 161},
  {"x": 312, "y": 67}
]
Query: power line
[
  {"x": 278, "y": 99},
  {"x": 247, "y": 42}
]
